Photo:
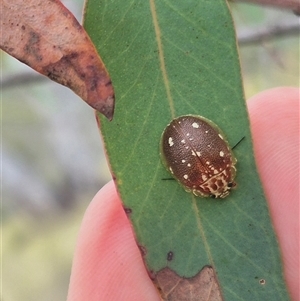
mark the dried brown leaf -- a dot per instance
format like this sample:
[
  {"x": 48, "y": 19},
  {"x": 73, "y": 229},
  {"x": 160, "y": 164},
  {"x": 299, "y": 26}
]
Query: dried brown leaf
[
  {"x": 44, "y": 35},
  {"x": 201, "y": 287}
]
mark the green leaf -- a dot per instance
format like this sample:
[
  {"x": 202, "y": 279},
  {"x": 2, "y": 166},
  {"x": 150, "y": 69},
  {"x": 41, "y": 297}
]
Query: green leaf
[{"x": 166, "y": 59}]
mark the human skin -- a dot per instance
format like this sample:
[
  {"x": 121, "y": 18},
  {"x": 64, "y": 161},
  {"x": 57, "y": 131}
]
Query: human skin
[{"x": 107, "y": 263}]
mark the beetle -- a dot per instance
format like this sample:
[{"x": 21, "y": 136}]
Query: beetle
[{"x": 196, "y": 153}]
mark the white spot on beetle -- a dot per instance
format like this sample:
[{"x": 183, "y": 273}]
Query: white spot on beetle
[
  {"x": 171, "y": 143},
  {"x": 221, "y": 154},
  {"x": 183, "y": 161},
  {"x": 198, "y": 154},
  {"x": 182, "y": 141},
  {"x": 204, "y": 177},
  {"x": 195, "y": 125},
  {"x": 186, "y": 177},
  {"x": 206, "y": 132},
  {"x": 189, "y": 165}
]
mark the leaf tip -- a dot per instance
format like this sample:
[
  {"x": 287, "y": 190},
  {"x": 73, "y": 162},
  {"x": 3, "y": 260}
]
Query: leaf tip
[{"x": 106, "y": 107}]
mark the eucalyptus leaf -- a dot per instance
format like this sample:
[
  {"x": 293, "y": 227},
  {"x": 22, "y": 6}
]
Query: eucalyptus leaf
[{"x": 166, "y": 59}]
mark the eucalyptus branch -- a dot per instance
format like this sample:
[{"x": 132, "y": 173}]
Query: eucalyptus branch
[
  {"x": 262, "y": 34},
  {"x": 245, "y": 37},
  {"x": 293, "y": 5},
  {"x": 24, "y": 78}
]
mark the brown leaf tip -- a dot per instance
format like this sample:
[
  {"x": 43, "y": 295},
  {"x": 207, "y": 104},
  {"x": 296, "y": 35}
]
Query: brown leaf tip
[{"x": 106, "y": 107}]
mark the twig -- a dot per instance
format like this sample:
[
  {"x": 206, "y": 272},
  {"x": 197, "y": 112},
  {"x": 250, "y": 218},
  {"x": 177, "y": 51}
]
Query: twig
[
  {"x": 24, "y": 78},
  {"x": 245, "y": 37},
  {"x": 293, "y": 5},
  {"x": 257, "y": 35}
]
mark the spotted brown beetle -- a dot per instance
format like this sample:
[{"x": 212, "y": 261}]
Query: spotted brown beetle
[{"x": 196, "y": 153}]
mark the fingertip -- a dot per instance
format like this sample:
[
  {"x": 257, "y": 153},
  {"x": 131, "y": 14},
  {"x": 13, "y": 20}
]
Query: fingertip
[
  {"x": 107, "y": 263},
  {"x": 274, "y": 118}
]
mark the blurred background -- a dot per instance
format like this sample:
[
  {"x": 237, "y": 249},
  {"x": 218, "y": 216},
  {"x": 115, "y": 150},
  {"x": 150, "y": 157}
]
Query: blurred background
[{"x": 52, "y": 155}]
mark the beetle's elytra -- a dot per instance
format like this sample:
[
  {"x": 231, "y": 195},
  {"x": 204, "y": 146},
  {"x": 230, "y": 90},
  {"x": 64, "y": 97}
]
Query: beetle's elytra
[{"x": 194, "y": 150}]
